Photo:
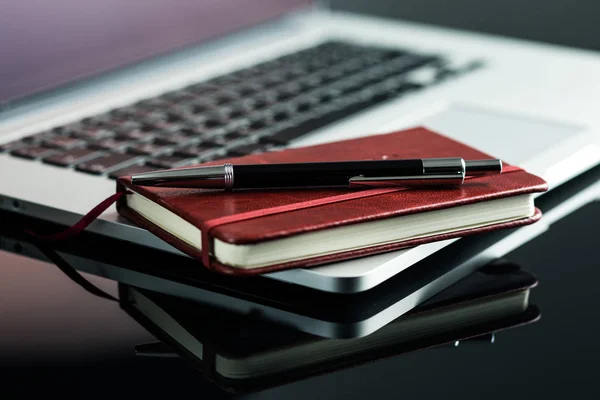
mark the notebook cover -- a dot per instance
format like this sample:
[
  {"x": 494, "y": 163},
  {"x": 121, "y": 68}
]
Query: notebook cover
[
  {"x": 198, "y": 206},
  {"x": 237, "y": 336}
]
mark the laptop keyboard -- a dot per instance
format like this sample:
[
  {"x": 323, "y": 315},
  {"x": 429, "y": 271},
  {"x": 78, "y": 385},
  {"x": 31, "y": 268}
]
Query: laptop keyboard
[{"x": 256, "y": 109}]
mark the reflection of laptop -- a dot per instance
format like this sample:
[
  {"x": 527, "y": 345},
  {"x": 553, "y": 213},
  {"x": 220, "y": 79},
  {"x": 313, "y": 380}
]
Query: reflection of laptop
[
  {"x": 246, "y": 353},
  {"x": 84, "y": 101}
]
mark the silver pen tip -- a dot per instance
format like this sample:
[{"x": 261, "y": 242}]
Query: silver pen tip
[
  {"x": 483, "y": 167},
  {"x": 210, "y": 177}
]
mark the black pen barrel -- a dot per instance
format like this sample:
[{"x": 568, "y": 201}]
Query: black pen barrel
[{"x": 319, "y": 174}]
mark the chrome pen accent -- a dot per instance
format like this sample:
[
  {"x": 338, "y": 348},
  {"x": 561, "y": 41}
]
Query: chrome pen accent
[
  {"x": 210, "y": 177},
  {"x": 483, "y": 167},
  {"x": 420, "y": 180},
  {"x": 436, "y": 172},
  {"x": 455, "y": 166},
  {"x": 228, "y": 175}
]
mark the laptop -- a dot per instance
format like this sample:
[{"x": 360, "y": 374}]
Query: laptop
[
  {"x": 319, "y": 313},
  {"x": 89, "y": 92}
]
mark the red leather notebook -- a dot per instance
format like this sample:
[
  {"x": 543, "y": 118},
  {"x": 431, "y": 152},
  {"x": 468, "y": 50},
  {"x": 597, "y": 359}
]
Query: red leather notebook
[{"x": 254, "y": 232}]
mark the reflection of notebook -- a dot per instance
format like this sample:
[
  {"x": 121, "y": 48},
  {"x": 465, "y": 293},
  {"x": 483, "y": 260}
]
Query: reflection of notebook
[{"x": 237, "y": 351}]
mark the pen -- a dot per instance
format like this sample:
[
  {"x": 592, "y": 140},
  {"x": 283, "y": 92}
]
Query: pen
[{"x": 351, "y": 174}]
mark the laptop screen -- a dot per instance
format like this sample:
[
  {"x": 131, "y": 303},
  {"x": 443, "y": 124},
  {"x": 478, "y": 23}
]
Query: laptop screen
[{"x": 44, "y": 44}]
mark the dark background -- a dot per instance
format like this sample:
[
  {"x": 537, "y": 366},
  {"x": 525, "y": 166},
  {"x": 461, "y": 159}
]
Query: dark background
[{"x": 564, "y": 22}]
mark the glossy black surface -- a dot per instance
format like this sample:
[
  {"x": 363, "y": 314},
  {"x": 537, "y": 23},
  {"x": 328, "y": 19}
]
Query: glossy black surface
[{"x": 57, "y": 336}]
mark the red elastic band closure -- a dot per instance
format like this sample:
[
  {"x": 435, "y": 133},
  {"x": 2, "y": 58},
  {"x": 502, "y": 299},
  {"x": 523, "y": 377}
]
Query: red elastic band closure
[
  {"x": 228, "y": 219},
  {"x": 210, "y": 224}
]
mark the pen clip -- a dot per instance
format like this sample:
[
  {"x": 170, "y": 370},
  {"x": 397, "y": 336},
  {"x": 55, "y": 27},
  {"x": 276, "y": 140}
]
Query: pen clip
[
  {"x": 417, "y": 181},
  {"x": 436, "y": 172}
]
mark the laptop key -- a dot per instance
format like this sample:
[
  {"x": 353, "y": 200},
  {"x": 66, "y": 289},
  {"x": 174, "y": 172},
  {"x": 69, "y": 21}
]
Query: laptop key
[
  {"x": 33, "y": 152},
  {"x": 10, "y": 146},
  {"x": 148, "y": 148},
  {"x": 67, "y": 129},
  {"x": 240, "y": 131},
  {"x": 169, "y": 161},
  {"x": 107, "y": 163},
  {"x": 199, "y": 106},
  {"x": 281, "y": 115},
  {"x": 407, "y": 63},
  {"x": 199, "y": 151},
  {"x": 263, "y": 99},
  {"x": 100, "y": 120},
  {"x": 132, "y": 169},
  {"x": 110, "y": 144},
  {"x": 223, "y": 98},
  {"x": 121, "y": 124},
  {"x": 165, "y": 126},
  {"x": 285, "y": 135},
  {"x": 172, "y": 138},
  {"x": 251, "y": 148},
  {"x": 303, "y": 104},
  {"x": 64, "y": 142},
  {"x": 155, "y": 103},
  {"x": 135, "y": 134},
  {"x": 223, "y": 140},
  {"x": 70, "y": 157},
  {"x": 202, "y": 88},
  {"x": 39, "y": 137},
  {"x": 150, "y": 119},
  {"x": 93, "y": 134},
  {"x": 247, "y": 89},
  {"x": 178, "y": 96},
  {"x": 195, "y": 132},
  {"x": 259, "y": 122},
  {"x": 239, "y": 110},
  {"x": 215, "y": 120}
]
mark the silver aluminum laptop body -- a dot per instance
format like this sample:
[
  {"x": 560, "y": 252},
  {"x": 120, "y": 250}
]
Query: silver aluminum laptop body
[{"x": 530, "y": 104}]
